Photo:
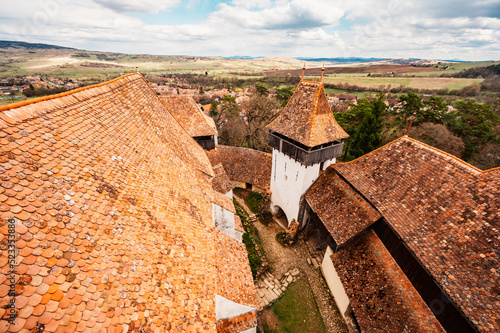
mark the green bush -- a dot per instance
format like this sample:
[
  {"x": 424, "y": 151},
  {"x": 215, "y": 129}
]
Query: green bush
[{"x": 253, "y": 201}]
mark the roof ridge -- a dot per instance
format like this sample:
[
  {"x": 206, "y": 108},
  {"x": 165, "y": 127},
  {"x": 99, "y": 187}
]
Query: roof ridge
[
  {"x": 296, "y": 88},
  {"x": 316, "y": 100},
  {"x": 63, "y": 94},
  {"x": 446, "y": 154},
  {"x": 456, "y": 159}
]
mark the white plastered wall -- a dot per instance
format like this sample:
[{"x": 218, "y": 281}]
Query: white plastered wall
[
  {"x": 289, "y": 181},
  {"x": 224, "y": 221},
  {"x": 334, "y": 283}
]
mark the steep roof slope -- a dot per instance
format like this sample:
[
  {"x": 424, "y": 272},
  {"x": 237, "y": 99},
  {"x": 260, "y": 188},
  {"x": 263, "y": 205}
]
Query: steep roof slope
[
  {"x": 447, "y": 213},
  {"x": 188, "y": 114},
  {"x": 307, "y": 118},
  {"x": 111, "y": 200},
  {"x": 342, "y": 211},
  {"x": 382, "y": 297}
]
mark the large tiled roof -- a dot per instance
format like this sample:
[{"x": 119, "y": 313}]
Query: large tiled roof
[
  {"x": 112, "y": 204},
  {"x": 343, "y": 212},
  {"x": 381, "y": 296},
  {"x": 447, "y": 213},
  {"x": 307, "y": 118},
  {"x": 189, "y": 115},
  {"x": 244, "y": 164}
]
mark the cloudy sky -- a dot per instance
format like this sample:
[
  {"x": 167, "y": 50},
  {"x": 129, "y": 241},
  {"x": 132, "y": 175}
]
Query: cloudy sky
[{"x": 433, "y": 29}]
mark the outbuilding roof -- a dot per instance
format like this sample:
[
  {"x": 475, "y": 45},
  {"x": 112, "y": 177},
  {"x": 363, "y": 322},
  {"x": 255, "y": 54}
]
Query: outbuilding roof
[
  {"x": 307, "y": 118},
  {"x": 244, "y": 164},
  {"x": 189, "y": 115},
  {"x": 342, "y": 211},
  {"x": 381, "y": 296},
  {"x": 447, "y": 213}
]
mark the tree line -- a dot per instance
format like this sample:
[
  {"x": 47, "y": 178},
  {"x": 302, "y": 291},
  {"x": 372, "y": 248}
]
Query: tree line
[{"x": 469, "y": 130}]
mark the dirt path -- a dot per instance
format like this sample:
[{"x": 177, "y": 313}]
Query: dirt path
[{"x": 283, "y": 259}]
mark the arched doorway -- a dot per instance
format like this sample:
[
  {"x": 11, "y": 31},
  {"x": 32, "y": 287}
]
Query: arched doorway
[{"x": 279, "y": 216}]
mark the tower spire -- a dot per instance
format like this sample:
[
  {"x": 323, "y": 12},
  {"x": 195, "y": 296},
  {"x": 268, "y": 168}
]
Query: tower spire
[
  {"x": 303, "y": 71},
  {"x": 322, "y": 71}
]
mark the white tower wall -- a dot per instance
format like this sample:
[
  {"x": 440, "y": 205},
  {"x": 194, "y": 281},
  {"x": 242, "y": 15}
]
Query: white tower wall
[{"x": 289, "y": 181}]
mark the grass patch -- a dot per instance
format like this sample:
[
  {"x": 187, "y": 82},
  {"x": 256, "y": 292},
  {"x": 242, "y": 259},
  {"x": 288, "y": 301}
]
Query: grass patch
[
  {"x": 295, "y": 312},
  {"x": 253, "y": 201},
  {"x": 251, "y": 239},
  {"x": 240, "y": 192},
  {"x": 280, "y": 238}
]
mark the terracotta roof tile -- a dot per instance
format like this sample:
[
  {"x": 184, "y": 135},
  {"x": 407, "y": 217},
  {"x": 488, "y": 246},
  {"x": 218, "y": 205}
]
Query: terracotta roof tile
[
  {"x": 113, "y": 198},
  {"x": 343, "y": 212},
  {"x": 234, "y": 280},
  {"x": 237, "y": 224},
  {"x": 307, "y": 118},
  {"x": 189, "y": 115},
  {"x": 239, "y": 324},
  {"x": 447, "y": 213},
  {"x": 221, "y": 182},
  {"x": 244, "y": 164},
  {"x": 382, "y": 297},
  {"x": 223, "y": 201}
]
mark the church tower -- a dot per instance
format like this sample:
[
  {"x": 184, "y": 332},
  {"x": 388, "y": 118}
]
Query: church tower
[{"x": 305, "y": 139}]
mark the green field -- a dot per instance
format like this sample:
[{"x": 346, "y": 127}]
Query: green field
[
  {"x": 89, "y": 64},
  {"x": 410, "y": 82}
]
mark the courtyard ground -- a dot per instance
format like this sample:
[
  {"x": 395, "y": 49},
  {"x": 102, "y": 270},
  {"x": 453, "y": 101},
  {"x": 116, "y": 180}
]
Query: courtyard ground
[{"x": 302, "y": 257}]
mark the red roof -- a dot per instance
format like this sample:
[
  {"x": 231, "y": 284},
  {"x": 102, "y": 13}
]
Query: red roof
[
  {"x": 342, "y": 211},
  {"x": 381, "y": 296},
  {"x": 189, "y": 115},
  {"x": 448, "y": 214},
  {"x": 112, "y": 203},
  {"x": 244, "y": 164}
]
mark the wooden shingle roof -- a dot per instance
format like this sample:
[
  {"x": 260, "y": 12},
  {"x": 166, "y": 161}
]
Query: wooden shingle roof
[
  {"x": 447, "y": 213},
  {"x": 307, "y": 118}
]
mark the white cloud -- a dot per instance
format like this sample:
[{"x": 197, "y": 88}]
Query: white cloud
[
  {"x": 325, "y": 28},
  {"x": 139, "y": 6},
  {"x": 252, "y": 4},
  {"x": 295, "y": 14}
]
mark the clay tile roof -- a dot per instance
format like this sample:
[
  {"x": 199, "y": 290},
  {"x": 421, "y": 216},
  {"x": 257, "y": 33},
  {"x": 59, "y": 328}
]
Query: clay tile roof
[
  {"x": 234, "y": 277},
  {"x": 221, "y": 182},
  {"x": 188, "y": 114},
  {"x": 343, "y": 211},
  {"x": 307, "y": 118},
  {"x": 237, "y": 224},
  {"x": 381, "y": 296},
  {"x": 244, "y": 164},
  {"x": 447, "y": 213},
  {"x": 223, "y": 201},
  {"x": 112, "y": 205}
]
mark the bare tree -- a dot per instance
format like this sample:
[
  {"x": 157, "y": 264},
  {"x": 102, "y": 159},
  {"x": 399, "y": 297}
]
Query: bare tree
[{"x": 259, "y": 111}]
